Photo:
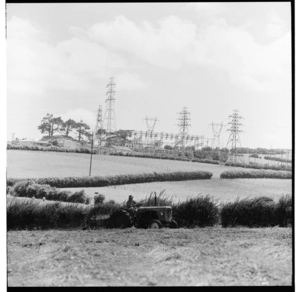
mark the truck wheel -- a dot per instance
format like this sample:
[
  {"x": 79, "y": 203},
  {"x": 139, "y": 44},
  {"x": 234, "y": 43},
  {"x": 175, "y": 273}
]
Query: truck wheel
[
  {"x": 155, "y": 224},
  {"x": 120, "y": 219},
  {"x": 174, "y": 224}
]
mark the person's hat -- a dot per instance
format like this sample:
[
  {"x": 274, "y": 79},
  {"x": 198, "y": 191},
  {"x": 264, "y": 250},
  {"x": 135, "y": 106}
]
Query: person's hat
[{"x": 130, "y": 196}]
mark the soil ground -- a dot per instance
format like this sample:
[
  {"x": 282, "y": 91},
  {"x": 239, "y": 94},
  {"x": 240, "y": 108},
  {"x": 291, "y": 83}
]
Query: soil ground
[{"x": 182, "y": 257}]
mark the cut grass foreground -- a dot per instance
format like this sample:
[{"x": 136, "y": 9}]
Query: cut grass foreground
[
  {"x": 138, "y": 257},
  {"x": 200, "y": 211}
]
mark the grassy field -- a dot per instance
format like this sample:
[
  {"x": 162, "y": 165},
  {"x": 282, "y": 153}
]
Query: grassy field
[
  {"x": 42, "y": 164},
  {"x": 21, "y": 164},
  {"x": 180, "y": 257},
  {"x": 222, "y": 190}
]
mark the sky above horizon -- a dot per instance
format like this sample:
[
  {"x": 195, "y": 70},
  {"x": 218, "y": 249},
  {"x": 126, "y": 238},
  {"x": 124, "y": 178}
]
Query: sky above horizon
[{"x": 212, "y": 58}]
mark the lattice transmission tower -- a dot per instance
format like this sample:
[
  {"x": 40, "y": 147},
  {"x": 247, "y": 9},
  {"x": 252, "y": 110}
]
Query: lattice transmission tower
[
  {"x": 234, "y": 138},
  {"x": 99, "y": 125},
  {"x": 184, "y": 125},
  {"x": 109, "y": 116},
  {"x": 150, "y": 122},
  {"x": 217, "y": 129}
]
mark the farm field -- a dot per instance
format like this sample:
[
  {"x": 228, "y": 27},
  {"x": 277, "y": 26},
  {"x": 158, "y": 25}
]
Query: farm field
[
  {"x": 22, "y": 164},
  {"x": 26, "y": 164},
  {"x": 129, "y": 257},
  {"x": 221, "y": 189}
]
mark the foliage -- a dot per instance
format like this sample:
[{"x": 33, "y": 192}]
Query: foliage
[
  {"x": 257, "y": 212},
  {"x": 256, "y": 174},
  {"x": 50, "y": 125},
  {"x": 82, "y": 130},
  {"x": 29, "y": 188},
  {"x": 200, "y": 211},
  {"x": 51, "y": 148},
  {"x": 273, "y": 158},
  {"x": 99, "y": 199}
]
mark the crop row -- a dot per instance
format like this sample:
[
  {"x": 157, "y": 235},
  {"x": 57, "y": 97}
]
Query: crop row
[
  {"x": 256, "y": 174},
  {"x": 98, "y": 181},
  {"x": 200, "y": 211}
]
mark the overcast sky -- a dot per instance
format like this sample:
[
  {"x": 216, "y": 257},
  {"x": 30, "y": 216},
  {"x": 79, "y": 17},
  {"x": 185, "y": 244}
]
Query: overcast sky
[{"x": 212, "y": 58}]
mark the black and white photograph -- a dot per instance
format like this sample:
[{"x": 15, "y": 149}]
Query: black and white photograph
[{"x": 149, "y": 144}]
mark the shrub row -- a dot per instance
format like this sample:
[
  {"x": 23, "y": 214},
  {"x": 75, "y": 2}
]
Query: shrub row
[
  {"x": 278, "y": 159},
  {"x": 165, "y": 156},
  {"x": 256, "y": 174},
  {"x": 260, "y": 166},
  {"x": 209, "y": 161},
  {"x": 257, "y": 212},
  {"x": 201, "y": 211},
  {"x": 50, "y": 148},
  {"x": 31, "y": 189},
  {"x": 98, "y": 181}
]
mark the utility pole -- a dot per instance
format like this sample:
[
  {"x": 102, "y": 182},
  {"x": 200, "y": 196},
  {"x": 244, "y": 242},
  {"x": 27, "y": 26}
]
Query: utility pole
[
  {"x": 91, "y": 154},
  {"x": 99, "y": 126},
  {"x": 234, "y": 137},
  {"x": 183, "y": 124},
  {"x": 109, "y": 116}
]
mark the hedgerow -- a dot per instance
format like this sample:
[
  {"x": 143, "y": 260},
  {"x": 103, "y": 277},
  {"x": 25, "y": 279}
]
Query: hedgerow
[
  {"x": 278, "y": 159},
  {"x": 257, "y": 212},
  {"x": 201, "y": 160},
  {"x": 98, "y": 181},
  {"x": 29, "y": 189},
  {"x": 195, "y": 212},
  {"x": 49, "y": 148},
  {"x": 256, "y": 174}
]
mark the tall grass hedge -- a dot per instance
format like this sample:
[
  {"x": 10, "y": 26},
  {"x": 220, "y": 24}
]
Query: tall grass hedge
[
  {"x": 98, "y": 181},
  {"x": 200, "y": 211},
  {"x": 257, "y": 212},
  {"x": 256, "y": 174}
]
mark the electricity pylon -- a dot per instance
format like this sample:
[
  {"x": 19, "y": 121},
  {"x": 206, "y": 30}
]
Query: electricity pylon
[
  {"x": 234, "y": 139},
  {"x": 99, "y": 125},
  {"x": 217, "y": 128},
  {"x": 109, "y": 116},
  {"x": 183, "y": 127},
  {"x": 150, "y": 122}
]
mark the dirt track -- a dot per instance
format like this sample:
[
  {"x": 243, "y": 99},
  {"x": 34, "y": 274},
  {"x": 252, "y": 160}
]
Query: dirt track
[{"x": 208, "y": 256}]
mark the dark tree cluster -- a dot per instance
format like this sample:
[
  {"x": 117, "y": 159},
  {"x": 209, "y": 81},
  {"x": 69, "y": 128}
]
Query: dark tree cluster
[{"x": 51, "y": 125}]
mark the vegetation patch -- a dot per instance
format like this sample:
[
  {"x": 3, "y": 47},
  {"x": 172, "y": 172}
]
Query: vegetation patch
[
  {"x": 98, "y": 181},
  {"x": 256, "y": 174},
  {"x": 201, "y": 211},
  {"x": 29, "y": 189},
  {"x": 257, "y": 212}
]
